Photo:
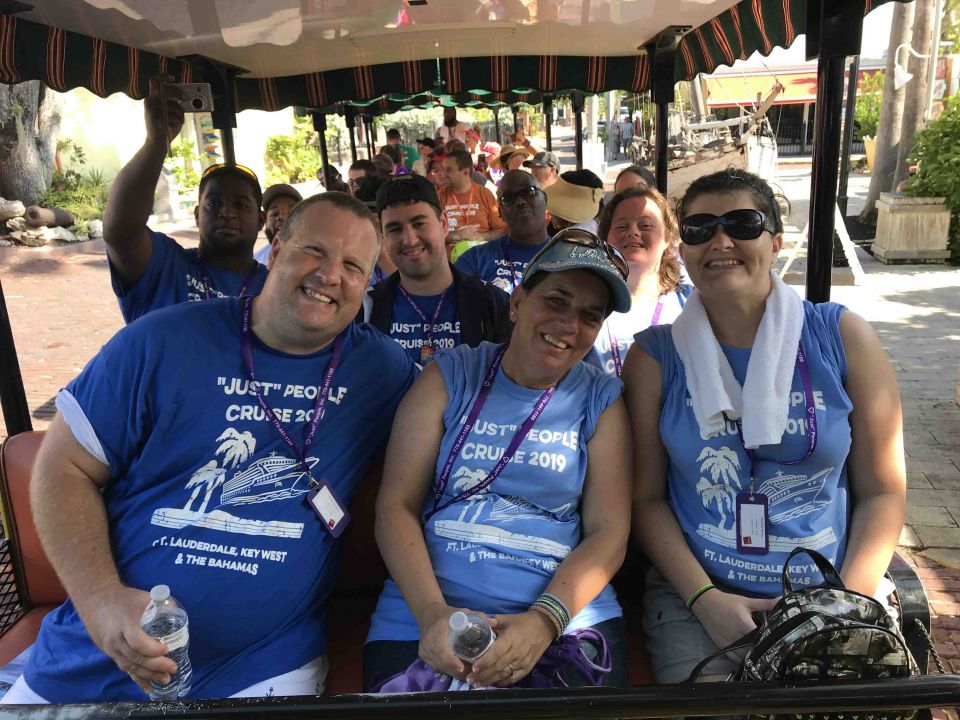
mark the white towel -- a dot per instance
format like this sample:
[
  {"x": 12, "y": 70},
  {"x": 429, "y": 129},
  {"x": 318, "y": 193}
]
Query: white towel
[{"x": 764, "y": 400}]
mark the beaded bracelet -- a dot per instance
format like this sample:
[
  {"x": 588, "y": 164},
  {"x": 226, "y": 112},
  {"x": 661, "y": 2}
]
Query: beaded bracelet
[
  {"x": 554, "y": 623},
  {"x": 552, "y": 605},
  {"x": 698, "y": 593}
]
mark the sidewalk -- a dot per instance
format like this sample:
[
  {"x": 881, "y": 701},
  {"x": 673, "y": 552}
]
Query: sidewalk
[{"x": 62, "y": 310}]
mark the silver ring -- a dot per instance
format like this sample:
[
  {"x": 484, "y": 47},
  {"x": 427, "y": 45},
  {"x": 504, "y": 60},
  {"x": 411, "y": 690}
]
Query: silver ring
[{"x": 511, "y": 668}]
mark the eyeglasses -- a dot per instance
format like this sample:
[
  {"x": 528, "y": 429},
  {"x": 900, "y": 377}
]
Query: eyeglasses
[
  {"x": 585, "y": 238},
  {"x": 528, "y": 193},
  {"x": 745, "y": 224},
  {"x": 219, "y": 167}
]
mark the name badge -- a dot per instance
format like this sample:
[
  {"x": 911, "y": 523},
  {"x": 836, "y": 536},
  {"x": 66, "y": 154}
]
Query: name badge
[
  {"x": 328, "y": 508},
  {"x": 752, "y": 513}
]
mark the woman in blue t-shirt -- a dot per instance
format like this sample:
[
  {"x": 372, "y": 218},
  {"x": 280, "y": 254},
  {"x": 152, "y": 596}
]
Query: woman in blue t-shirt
[
  {"x": 761, "y": 422},
  {"x": 506, "y": 492},
  {"x": 639, "y": 223}
]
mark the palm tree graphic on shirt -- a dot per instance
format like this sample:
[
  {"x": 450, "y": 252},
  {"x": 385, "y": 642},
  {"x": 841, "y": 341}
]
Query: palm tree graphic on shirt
[{"x": 724, "y": 471}]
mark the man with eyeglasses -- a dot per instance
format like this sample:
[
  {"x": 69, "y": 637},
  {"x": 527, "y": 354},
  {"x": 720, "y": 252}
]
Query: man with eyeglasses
[
  {"x": 523, "y": 207},
  {"x": 150, "y": 270},
  {"x": 228, "y": 480},
  {"x": 428, "y": 304},
  {"x": 359, "y": 173}
]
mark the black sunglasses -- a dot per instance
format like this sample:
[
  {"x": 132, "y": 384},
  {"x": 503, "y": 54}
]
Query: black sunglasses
[
  {"x": 528, "y": 193},
  {"x": 745, "y": 224},
  {"x": 585, "y": 238}
]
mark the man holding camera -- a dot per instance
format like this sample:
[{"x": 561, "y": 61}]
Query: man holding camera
[{"x": 150, "y": 270}]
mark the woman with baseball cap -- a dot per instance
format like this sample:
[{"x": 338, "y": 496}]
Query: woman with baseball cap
[{"x": 505, "y": 493}]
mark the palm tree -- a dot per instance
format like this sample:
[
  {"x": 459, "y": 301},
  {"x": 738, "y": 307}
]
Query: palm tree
[
  {"x": 210, "y": 476},
  {"x": 724, "y": 465},
  {"x": 235, "y": 447},
  {"x": 915, "y": 99},
  {"x": 891, "y": 116}
]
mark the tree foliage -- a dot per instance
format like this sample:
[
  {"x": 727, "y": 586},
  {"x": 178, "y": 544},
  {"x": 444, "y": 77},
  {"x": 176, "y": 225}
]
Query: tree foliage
[
  {"x": 867, "y": 111},
  {"x": 293, "y": 158},
  {"x": 937, "y": 154}
]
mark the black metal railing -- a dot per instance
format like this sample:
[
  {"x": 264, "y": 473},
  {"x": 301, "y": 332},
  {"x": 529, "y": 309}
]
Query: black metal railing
[{"x": 691, "y": 700}]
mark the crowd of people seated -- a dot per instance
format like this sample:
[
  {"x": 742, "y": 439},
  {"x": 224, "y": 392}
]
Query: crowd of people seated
[{"x": 593, "y": 371}]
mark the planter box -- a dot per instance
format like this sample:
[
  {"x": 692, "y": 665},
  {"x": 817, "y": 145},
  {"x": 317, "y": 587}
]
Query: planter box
[{"x": 911, "y": 229}]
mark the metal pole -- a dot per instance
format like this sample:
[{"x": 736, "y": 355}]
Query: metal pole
[
  {"x": 662, "y": 140},
  {"x": 548, "y": 121},
  {"x": 934, "y": 52},
  {"x": 320, "y": 125},
  {"x": 848, "y": 133},
  {"x": 516, "y": 120},
  {"x": 226, "y": 140},
  {"x": 371, "y": 140},
  {"x": 823, "y": 186},
  {"x": 351, "y": 122},
  {"x": 223, "y": 115},
  {"x": 13, "y": 398},
  {"x": 662, "y": 52},
  {"x": 577, "y": 100},
  {"x": 496, "y": 124},
  {"x": 833, "y": 32}
]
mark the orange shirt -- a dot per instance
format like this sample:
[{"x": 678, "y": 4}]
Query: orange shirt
[{"x": 475, "y": 209}]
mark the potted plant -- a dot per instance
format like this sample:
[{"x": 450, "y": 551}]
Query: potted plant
[
  {"x": 936, "y": 152},
  {"x": 866, "y": 114}
]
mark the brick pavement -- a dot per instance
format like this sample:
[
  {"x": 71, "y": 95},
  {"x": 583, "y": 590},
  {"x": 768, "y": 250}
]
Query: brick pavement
[{"x": 62, "y": 311}]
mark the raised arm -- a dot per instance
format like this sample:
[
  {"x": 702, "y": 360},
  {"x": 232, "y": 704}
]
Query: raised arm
[
  {"x": 131, "y": 194},
  {"x": 585, "y": 572},
  {"x": 726, "y": 617},
  {"x": 71, "y": 521},
  {"x": 408, "y": 473},
  {"x": 876, "y": 470}
]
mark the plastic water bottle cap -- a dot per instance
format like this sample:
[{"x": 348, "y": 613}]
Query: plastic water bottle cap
[
  {"x": 458, "y": 621},
  {"x": 159, "y": 593}
]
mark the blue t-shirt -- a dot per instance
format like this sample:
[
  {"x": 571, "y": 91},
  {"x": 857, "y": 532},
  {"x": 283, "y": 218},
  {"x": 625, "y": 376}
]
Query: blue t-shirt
[
  {"x": 208, "y": 499},
  {"x": 620, "y": 328},
  {"x": 497, "y": 551},
  {"x": 499, "y": 262},
  {"x": 408, "y": 328},
  {"x": 173, "y": 276},
  {"x": 809, "y": 502}
]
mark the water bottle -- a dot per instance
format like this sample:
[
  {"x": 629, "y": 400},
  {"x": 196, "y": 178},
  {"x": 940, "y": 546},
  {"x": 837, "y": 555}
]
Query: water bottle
[
  {"x": 166, "y": 621},
  {"x": 470, "y": 635}
]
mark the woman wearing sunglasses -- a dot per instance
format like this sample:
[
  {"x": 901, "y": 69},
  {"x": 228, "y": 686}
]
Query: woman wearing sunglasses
[
  {"x": 506, "y": 492},
  {"x": 761, "y": 422},
  {"x": 639, "y": 223}
]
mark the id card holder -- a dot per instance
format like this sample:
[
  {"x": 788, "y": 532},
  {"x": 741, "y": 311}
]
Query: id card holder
[
  {"x": 328, "y": 508},
  {"x": 752, "y": 514},
  {"x": 426, "y": 354}
]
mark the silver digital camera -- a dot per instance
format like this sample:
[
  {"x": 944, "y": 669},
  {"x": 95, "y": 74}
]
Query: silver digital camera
[{"x": 193, "y": 97}]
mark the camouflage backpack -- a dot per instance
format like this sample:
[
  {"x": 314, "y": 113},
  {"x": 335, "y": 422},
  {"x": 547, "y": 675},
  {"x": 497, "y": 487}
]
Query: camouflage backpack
[{"x": 826, "y": 634}]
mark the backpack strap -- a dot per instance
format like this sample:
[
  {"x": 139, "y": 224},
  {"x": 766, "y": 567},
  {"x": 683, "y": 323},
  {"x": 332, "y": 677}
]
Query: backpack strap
[
  {"x": 826, "y": 568},
  {"x": 745, "y": 642}
]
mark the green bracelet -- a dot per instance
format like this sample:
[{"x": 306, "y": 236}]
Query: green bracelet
[{"x": 698, "y": 593}]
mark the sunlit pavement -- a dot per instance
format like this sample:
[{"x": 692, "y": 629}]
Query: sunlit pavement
[{"x": 62, "y": 310}]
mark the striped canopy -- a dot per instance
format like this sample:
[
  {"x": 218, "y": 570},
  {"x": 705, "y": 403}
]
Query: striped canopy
[{"x": 64, "y": 60}]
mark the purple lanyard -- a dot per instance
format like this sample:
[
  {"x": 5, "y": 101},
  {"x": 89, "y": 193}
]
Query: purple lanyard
[
  {"x": 247, "y": 352},
  {"x": 525, "y": 427},
  {"x": 429, "y": 325},
  {"x": 811, "y": 415},
  {"x": 208, "y": 286},
  {"x": 615, "y": 344}
]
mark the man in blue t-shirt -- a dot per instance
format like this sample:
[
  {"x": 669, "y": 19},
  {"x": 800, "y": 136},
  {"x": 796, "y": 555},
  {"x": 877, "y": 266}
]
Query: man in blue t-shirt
[
  {"x": 523, "y": 206},
  {"x": 186, "y": 453},
  {"x": 148, "y": 269},
  {"x": 428, "y": 304}
]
